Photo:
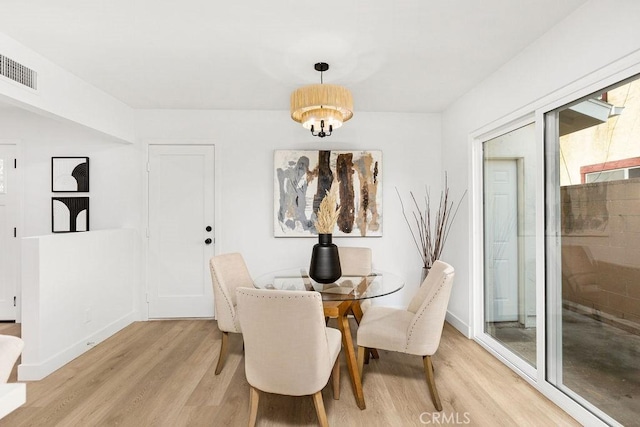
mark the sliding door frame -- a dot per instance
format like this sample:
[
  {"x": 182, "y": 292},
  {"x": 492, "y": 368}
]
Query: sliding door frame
[
  {"x": 486, "y": 340},
  {"x": 546, "y": 356},
  {"x": 554, "y": 355}
]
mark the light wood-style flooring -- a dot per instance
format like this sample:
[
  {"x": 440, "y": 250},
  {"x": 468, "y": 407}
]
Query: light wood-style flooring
[{"x": 161, "y": 373}]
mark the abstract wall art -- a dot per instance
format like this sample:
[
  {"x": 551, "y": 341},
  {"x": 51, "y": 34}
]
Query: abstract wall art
[
  {"x": 301, "y": 179},
  {"x": 70, "y": 174},
  {"x": 69, "y": 214}
]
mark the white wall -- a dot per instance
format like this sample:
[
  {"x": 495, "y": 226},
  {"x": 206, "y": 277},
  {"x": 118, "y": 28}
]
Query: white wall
[
  {"x": 245, "y": 141},
  {"x": 78, "y": 290},
  {"x": 594, "y": 36},
  {"x": 115, "y": 176},
  {"x": 115, "y": 172}
]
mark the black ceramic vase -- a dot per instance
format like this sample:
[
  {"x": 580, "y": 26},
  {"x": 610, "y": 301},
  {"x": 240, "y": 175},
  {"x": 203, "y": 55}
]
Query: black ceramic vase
[{"x": 325, "y": 261}]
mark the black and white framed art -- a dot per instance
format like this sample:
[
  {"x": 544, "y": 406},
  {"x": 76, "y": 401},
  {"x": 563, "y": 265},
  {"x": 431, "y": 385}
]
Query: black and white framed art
[
  {"x": 70, "y": 174},
  {"x": 69, "y": 214}
]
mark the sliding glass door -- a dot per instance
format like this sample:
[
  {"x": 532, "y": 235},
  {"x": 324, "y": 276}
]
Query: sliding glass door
[
  {"x": 509, "y": 171},
  {"x": 560, "y": 251},
  {"x": 592, "y": 150}
]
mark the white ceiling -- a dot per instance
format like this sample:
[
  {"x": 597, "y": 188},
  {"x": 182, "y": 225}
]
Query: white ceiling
[{"x": 402, "y": 56}]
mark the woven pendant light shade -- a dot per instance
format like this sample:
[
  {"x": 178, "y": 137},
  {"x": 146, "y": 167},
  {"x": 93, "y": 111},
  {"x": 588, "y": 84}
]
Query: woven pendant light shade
[{"x": 313, "y": 103}]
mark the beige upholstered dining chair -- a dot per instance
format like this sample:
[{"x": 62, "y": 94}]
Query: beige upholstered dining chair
[
  {"x": 288, "y": 349},
  {"x": 416, "y": 330},
  {"x": 10, "y": 349},
  {"x": 356, "y": 261},
  {"x": 228, "y": 272}
]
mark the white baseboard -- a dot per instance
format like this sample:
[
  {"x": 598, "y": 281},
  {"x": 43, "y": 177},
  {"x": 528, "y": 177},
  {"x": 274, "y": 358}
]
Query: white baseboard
[
  {"x": 35, "y": 372},
  {"x": 458, "y": 324}
]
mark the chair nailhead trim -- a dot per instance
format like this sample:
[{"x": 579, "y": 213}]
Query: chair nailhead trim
[
  {"x": 224, "y": 294},
  {"x": 423, "y": 311},
  {"x": 281, "y": 297}
]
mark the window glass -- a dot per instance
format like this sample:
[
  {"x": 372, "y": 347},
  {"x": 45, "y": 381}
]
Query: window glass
[
  {"x": 509, "y": 170},
  {"x": 593, "y": 242}
]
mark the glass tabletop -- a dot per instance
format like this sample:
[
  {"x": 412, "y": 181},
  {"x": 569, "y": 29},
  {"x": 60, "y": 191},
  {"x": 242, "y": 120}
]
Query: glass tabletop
[{"x": 376, "y": 284}]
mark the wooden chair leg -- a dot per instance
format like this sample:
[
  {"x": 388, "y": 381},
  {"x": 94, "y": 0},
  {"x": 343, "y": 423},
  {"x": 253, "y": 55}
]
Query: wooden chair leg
[
  {"x": 356, "y": 310},
  {"x": 335, "y": 379},
  {"x": 431, "y": 382},
  {"x": 223, "y": 352},
  {"x": 319, "y": 404},
  {"x": 254, "y": 397},
  {"x": 362, "y": 352}
]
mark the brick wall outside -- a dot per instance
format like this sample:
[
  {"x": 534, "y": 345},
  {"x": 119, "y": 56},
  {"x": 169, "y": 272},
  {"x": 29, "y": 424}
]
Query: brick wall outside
[{"x": 601, "y": 248}]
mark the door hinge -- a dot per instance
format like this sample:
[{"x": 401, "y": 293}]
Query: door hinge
[
  {"x": 15, "y": 232},
  {"x": 148, "y": 234},
  {"x": 148, "y": 167},
  {"x": 14, "y": 301},
  {"x": 147, "y": 297}
]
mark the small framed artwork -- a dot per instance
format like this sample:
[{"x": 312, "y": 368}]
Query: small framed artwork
[
  {"x": 69, "y": 214},
  {"x": 70, "y": 174}
]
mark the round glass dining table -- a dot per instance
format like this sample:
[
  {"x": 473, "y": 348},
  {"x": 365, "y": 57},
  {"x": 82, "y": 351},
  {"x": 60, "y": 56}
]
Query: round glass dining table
[
  {"x": 376, "y": 284},
  {"x": 339, "y": 299}
]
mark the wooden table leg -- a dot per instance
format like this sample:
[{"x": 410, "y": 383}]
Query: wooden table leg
[
  {"x": 350, "y": 354},
  {"x": 357, "y": 314}
]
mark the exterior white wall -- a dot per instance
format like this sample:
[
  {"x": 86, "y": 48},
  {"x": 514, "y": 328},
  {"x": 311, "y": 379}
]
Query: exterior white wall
[
  {"x": 594, "y": 36},
  {"x": 63, "y": 95},
  {"x": 244, "y": 143},
  {"x": 616, "y": 139},
  {"x": 78, "y": 290}
]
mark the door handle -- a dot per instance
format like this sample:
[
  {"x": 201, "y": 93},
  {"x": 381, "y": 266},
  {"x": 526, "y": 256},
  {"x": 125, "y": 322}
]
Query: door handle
[{"x": 208, "y": 241}]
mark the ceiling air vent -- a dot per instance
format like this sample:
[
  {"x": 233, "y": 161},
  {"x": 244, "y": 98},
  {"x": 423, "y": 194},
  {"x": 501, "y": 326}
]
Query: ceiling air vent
[{"x": 17, "y": 72}]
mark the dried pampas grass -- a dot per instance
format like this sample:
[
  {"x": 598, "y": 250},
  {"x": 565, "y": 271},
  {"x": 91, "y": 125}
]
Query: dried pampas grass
[{"x": 327, "y": 213}]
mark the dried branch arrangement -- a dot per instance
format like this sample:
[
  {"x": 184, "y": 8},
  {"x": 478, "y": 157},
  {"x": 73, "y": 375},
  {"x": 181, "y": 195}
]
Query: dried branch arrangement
[
  {"x": 430, "y": 240},
  {"x": 325, "y": 222}
]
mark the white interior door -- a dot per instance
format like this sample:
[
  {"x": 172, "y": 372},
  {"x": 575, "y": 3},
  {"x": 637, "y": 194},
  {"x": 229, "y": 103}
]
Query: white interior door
[
  {"x": 501, "y": 240},
  {"x": 8, "y": 241},
  {"x": 180, "y": 238}
]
